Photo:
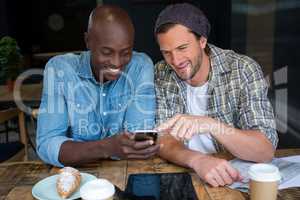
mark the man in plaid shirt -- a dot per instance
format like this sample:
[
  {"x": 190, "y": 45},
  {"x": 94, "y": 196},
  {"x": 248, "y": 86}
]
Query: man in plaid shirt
[{"x": 208, "y": 99}]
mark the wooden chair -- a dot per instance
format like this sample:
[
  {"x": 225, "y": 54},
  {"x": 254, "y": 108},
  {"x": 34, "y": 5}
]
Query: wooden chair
[
  {"x": 33, "y": 118},
  {"x": 14, "y": 151}
]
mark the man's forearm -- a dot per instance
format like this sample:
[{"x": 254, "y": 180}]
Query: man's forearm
[
  {"x": 76, "y": 153},
  {"x": 174, "y": 151},
  {"x": 249, "y": 145}
]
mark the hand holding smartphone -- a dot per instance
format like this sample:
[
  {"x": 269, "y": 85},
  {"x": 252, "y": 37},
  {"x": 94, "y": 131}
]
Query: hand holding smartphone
[{"x": 142, "y": 135}]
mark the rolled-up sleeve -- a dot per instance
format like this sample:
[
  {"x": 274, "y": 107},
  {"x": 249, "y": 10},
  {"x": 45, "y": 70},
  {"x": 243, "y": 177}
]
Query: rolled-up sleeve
[
  {"x": 52, "y": 123},
  {"x": 256, "y": 111}
]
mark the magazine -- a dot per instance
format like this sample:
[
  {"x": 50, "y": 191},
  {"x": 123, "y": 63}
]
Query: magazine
[{"x": 289, "y": 168}]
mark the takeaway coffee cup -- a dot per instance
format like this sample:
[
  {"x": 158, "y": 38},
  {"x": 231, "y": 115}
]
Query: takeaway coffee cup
[
  {"x": 98, "y": 189},
  {"x": 264, "y": 179}
]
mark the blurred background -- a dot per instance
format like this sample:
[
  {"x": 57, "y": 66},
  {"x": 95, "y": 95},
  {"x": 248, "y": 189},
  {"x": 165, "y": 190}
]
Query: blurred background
[{"x": 266, "y": 30}]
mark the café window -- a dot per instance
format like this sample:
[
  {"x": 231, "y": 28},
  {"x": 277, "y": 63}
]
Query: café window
[{"x": 266, "y": 30}]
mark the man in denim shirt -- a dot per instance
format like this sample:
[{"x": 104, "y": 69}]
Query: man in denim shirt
[{"x": 92, "y": 102}]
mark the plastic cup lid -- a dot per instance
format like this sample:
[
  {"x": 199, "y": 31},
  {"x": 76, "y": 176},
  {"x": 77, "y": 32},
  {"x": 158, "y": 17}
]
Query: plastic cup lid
[
  {"x": 264, "y": 173},
  {"x": 98, "y": 189}
]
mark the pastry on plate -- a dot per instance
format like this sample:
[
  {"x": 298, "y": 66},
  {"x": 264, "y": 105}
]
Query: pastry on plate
[{"x": 68, "y": 181}]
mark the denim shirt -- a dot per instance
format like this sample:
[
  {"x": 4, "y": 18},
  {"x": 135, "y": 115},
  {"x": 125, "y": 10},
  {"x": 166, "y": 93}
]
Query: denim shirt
[{"x": 76, "y": 107}]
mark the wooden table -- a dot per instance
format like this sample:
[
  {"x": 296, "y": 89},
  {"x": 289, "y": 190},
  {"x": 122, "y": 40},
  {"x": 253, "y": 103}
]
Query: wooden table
[{"x": 17, "y": 179}]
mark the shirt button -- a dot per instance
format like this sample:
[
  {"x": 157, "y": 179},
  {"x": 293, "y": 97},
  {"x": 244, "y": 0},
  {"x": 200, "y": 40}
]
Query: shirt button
[
  {"x": 104, "y": 94},
  {"x": 104, "y": 113},
  {"x": 78, "y": 105}
]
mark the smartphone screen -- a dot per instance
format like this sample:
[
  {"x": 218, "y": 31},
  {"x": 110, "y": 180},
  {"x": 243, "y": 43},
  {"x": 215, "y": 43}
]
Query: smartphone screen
[{"x": 142, "y": 135}]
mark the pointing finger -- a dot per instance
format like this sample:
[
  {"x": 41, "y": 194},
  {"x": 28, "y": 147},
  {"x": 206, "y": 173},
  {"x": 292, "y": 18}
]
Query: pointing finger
[{"x": 168, "y": 124}]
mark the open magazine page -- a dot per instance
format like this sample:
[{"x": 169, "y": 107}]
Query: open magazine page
[{"x": 289, "y": 168}]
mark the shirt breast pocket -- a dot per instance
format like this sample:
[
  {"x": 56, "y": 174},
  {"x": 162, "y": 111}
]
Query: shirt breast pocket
[
  {"x": 175, "y": 102},
  {"x": 119, "y": 103},
  {"x": 83, "y": 120}
]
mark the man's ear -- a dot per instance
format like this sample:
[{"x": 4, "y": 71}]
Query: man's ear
[
  {"x": 86, "y": 40},
  {"x": 203, "y": 42}
]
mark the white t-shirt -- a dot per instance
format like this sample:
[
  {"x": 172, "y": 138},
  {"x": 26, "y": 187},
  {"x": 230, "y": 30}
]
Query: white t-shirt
[{"x": 197, "y": 100}]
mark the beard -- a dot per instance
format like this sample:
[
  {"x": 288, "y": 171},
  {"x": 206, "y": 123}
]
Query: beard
[{"x": 194, "y": 68}]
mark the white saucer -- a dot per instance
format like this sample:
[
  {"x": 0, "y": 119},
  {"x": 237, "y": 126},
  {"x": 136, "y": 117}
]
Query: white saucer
[{"x": 46, "y": 188}]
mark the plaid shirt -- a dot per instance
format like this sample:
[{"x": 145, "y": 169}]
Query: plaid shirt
[{"x": 237, "y": 94}]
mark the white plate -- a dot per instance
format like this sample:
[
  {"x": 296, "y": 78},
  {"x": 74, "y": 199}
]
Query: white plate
[{"x": 46, "y": 188}]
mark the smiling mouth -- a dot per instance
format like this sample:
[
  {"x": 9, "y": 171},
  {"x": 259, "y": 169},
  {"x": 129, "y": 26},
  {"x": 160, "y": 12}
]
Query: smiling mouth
[
  {"x": 182, "y": 66},
  {"x": 112, "y": 70}
]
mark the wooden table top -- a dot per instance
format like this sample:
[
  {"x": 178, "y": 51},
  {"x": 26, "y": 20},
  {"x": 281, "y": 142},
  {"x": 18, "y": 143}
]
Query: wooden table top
[{"x": 17, "y": 179}]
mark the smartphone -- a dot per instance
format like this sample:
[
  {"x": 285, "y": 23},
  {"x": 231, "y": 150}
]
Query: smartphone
[{"x": 142, "y": 135}]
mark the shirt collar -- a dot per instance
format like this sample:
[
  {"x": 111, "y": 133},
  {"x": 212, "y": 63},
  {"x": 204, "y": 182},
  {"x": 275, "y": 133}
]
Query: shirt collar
[
  {"x": 85, "y": 68},
  {"x": 219, "y": 67},
  {"x": 218, "y": 60}
]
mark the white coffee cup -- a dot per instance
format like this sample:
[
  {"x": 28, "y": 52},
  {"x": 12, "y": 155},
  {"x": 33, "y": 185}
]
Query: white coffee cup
[
  {"x": 98, "y": 189},
  {"x": 264, "y": 179}
]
